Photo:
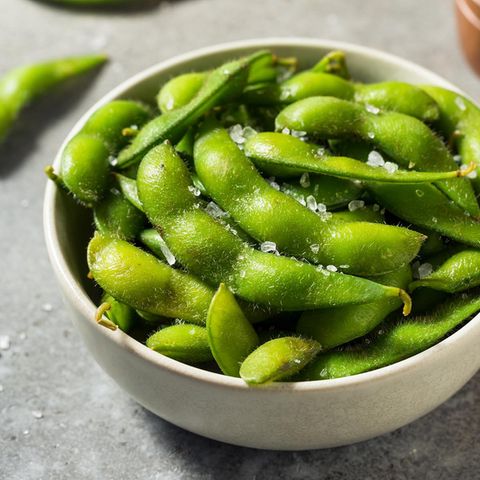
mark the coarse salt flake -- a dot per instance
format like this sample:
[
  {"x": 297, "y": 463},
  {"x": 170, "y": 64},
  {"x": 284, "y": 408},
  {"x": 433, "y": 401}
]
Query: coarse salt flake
[
  {"x": 355, "y": 205},
  {"x": 375, "y": 159},
  {"x": 424, "y": 270},
  {"x": 268, "y": 247},
  {"x": 215, "y": 211},
  {"x": 372, "y": 109},
  {"x": 196, "y": 191},
  {"x": 305, "y": 180},
  {"x": 331, "y": 268},
  {"x": 311, "y": 203},
  {"x": 460, "y": 103},
  {"x": 37, "y": 414},
  {"x": 390, "y": 167},
  {"x": 315, "y": 247},
  {"x": 286, "y": 131},
  {"x": 4, "y": 342}
]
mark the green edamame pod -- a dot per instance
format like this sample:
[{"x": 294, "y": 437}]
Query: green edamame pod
[
  {"x": 278, "y": 359},
  {"x": 269, "y": 148},
  {"x": 230, "y": 335},
  {"x": 140, "y": 280},
  {"x": 269, "y": 215},
  {"x": 116, "y": 216},
  {"x": 208, "y": 249},
  {"x": 178, "y": 91},
  {"x": 85, "y": 164},
  {"x": 128, "y": 187},
  {"x": 119, "y": 313},
  {"x": 184, "y": 342},
  {"x": 459, "y": 272},
  {"x": 22, "y": 85},
  {"x": 420, "y": 148},
  {"x": 392, "y": 344},
  {"x": 223, "y": 84},
  {"x": 110, "y": 121},
  {"x": 426, "y": 206},
  {"x": 460, "y": 123},
  {"x": 333, "y": 62},
  {"x": 335, "y": 326},
  {"x": 329, "y": 191},
  {"x": 84, "y": 169}
]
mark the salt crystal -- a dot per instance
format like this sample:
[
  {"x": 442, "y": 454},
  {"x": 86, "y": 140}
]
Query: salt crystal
[
  {"x": 321, "y": 151},
  {"x": 375, "y": 207},
  {"x": 298, "y": 134},
  {"x": 311, "y": 203},
  {"x": 434, "y": 219},
  {"x": 37, "y": 414},
  {"x": 315, "y": 247},
  {"x": 169, "y": 256},
  {"x": 390, "y": 167},
  {"x": 419, "y": 193},
  {"x": 273, "y": 183},
  {"x": 297, "y": 360},
  {"x": 323, "y": 373},
  {"x": 411, "y": 164},
  {"x": 26, "y": 432},
  {"x": 236, "y": 133},
  {"x": 424, "y": 270},
  {"x": 460, "y": 103},
  {"x": 331, "y": 268},
  {"x": 215, "y": 211},
  {"x": 286, "y": 131},
  {"x": 375, "y": 159},
  {"x": 372, "y": 109},
  {"x": 344, "y": 267},
  {"x": 370, "y": 135},
  {"x": 112, "y": 160},
  {"x": 47, "y": 307},
  {"x": 305, "y": 180},
  {"x": 4, "y": 342},
  {"x": 457, "y": 158},
  {"x": 356, "y": 205},
  {"x": 194, "y": 190},
  {"x": 268, "y": 247},
  {"x": 321, "y": 207}
]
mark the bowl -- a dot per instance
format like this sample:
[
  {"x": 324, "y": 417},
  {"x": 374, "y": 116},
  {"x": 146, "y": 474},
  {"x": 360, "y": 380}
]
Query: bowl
[{"x": 281, "y": 416}]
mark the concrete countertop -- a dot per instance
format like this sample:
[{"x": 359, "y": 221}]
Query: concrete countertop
[{"x": 61, "y": 417}]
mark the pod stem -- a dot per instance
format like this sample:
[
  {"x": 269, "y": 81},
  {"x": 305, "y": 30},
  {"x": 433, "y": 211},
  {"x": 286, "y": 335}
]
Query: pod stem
[
  {"x": 463, "y": 172},
  {"x": 407, "y": 301},
  {"x": 101, "y": 320},
  {"x": 50, "y": 173}
]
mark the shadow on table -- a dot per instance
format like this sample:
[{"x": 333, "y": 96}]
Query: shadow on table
[
  {"x": 132, "y": 7},
  {"x": 441, "y": 445},
  {"x": 35, "y": 119}
]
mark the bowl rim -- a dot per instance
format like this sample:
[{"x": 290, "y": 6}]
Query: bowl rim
[{"x": 86, "y": 307}]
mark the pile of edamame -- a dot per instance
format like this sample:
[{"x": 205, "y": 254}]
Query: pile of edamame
[{"x": 276, "y": 224}]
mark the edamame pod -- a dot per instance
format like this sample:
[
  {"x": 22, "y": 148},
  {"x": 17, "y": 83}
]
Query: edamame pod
[
  {"x": 208, "y": 249},
  {"x": 178, "y": 91},
  {"x": 327, "y": 117},
  {"x": 223, "y": 84},
  {"x": 391, "y": 96},
  {"x": 460, "y": 123},
  {"x": 22, "y": 85},
  {"x": 269, "y": 215},
  {"x": 329, "y": 191},
  {"x": 426, "y": 206},
  {"x": 335, "y": 326},
  {"x": 119, "y": 313},
  {"x": 269, "y": 148},
  {"x": 278, "y": 359},
  {"x": 128, "y": 186},
  {"x": 116, "y": 216},
  {"x": 333, "y": 62},
  {"x": 459, "y": 272},
  {"x": 140, "y": 280},
  {"x": 184, "y": 342},
  {"x": 230, "y": 335},
  {"x": 392, "y": 344}
]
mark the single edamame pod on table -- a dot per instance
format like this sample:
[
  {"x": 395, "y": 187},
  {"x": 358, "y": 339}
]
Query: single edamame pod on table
[
  {"x": 459, "y": 272},
  {"x": 208, "y": 249},
  {"x": 269, "y": 215},
  {"x": 459, "y": 122},
  {"x": 278, "y": 359},
  {"x": 394, "y": 342},
  {"x": 22, "y": 85},
  {"x": 420, "y": 148},
  {"x": 222, "y": 84},
  {"x": 184, "y": 342},
  {"x": 335, "y": 326},
  {"x": 230, "y": 335},
  {"x": 278, "y": 149}
]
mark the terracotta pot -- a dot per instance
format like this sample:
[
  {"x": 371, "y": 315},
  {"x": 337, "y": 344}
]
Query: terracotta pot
[{"x": 468, "y": 19}]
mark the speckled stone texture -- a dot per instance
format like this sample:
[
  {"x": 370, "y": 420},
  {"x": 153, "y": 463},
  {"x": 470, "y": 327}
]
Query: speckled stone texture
[{"x": 89, "y": 428}]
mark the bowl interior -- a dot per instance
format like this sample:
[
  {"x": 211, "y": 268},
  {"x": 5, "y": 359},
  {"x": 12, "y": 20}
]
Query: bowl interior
[{"x": 68, "y": 226}]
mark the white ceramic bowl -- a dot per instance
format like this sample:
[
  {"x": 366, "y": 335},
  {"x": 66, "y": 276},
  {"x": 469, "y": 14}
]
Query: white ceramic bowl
[{"x": 286, "y": 416}]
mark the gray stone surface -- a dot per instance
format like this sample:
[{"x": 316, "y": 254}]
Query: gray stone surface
[{"x": 90, "y": 428}]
